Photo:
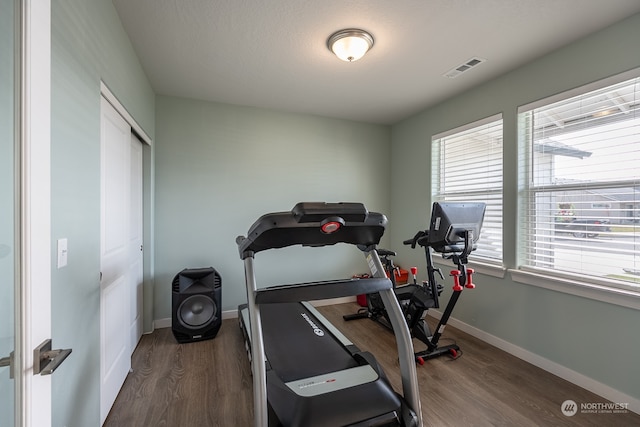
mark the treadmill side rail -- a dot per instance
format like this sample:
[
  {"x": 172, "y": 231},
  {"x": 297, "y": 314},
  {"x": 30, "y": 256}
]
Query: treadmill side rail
[
  {"x": 403, "y": 339},
  {"x": 258, "y": 359}
]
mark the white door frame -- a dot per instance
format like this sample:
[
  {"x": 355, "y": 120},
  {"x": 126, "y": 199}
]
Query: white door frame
[
  {"x": 109, "y": 96},
  {"x": 35, "y": 266}
]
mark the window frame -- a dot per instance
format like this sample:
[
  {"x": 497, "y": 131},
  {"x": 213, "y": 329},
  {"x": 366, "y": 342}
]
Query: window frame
[
  {"x": 588, "y": 286},
  {"x": 491, "y": 266}
]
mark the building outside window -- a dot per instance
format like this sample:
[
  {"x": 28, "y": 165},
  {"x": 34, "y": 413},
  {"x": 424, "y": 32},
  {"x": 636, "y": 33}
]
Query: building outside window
[{"x": 580, "y": 165}]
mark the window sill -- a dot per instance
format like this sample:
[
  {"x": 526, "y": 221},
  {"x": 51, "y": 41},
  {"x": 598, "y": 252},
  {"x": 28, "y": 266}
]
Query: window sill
[
  {"x": 598, "y": 292},
  {"x": 478, "y": 267}
]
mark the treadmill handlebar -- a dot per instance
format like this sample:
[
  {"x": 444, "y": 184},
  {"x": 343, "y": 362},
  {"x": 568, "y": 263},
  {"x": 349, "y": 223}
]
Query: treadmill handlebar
[
  {"x": 327, "y": 289},
  {"x": 314, "y": 224}
]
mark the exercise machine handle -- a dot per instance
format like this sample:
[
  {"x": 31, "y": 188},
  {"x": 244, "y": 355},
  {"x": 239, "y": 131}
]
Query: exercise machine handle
[
  {"x": 419, "y": 238},
  {"x": 385, "y": 252}
]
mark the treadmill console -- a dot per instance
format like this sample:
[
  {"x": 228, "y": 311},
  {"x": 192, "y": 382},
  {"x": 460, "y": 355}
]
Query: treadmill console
[
  {"x": 314, "y": 224},
  {"x": 317, "y": 211}
]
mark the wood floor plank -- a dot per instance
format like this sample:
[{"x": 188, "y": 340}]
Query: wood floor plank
[{"x": 209, "y": 383}]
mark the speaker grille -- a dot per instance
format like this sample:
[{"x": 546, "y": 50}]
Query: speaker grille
[{"x": 197, "y": 311}]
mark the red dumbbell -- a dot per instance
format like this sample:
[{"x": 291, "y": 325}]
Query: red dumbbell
[
  {"x": 414, "y": 272},
  {"x": 456, "y": 280},
  {"x": 470, "y": 284}
]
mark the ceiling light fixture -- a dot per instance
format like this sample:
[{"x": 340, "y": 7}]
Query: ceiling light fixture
[{"x": 350, "y": 44}]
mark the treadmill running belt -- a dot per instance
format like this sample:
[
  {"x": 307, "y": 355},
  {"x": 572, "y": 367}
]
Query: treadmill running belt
[{"x": 298, "y": 346}]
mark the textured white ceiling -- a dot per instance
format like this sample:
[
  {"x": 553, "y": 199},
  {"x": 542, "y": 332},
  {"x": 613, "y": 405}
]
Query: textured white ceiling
[{"x": 273, "y": 54}]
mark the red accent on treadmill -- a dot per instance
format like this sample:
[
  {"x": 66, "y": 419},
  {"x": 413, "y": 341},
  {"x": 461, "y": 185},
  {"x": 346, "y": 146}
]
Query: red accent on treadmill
[{"x": 330, "y": 227}]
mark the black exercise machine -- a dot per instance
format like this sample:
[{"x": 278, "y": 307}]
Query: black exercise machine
[
  {"x": 454, "y": 231},
  {"x": 305, "y": 372}
]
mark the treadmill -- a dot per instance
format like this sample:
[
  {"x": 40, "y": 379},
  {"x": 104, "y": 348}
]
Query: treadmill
[{"x": 305, "y": 371}]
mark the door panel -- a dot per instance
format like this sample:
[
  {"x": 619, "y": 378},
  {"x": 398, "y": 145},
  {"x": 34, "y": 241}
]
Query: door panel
[
  {"x": 114, "y": 322},
  {"x": 135, "y": 243},
  {"x": 115, "y": 360}
]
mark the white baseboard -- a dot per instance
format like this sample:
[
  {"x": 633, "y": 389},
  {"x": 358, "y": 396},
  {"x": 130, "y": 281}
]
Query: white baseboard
[
  {"x": 161, "y": 323},
  {"x": 554, "y": 368}
]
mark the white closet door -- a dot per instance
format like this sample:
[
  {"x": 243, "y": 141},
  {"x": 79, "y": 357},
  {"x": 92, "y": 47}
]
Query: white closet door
[
  {"x": 115, "y": 292},
  {"x": 135, "y": 244}
]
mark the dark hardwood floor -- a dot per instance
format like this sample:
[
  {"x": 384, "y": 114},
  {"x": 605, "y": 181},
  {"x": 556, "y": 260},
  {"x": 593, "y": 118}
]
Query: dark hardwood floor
[{"x": 209, "y": 383}]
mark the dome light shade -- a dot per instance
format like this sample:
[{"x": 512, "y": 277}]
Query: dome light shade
[{"x": 350, "y": 44}]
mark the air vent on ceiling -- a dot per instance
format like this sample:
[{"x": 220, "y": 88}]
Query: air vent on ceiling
[{"x": 466, "y": 66}]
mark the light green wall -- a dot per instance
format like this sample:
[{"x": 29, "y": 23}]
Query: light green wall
[
  {"x": 219, "y": 167},
  {"x": 88, "y": 44},
  {"x": 596, "y": 339}
]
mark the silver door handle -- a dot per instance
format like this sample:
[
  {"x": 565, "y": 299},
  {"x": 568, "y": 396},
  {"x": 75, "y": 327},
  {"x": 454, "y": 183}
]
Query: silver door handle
[
  {"x": 46, "y": 360},
  {"x": 8, "y": 361}
]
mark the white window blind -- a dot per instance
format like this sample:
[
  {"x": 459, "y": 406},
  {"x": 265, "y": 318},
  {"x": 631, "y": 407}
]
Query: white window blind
[
  {"x": 467, "y": 167},
  {"x": 581, "y": 205}
]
